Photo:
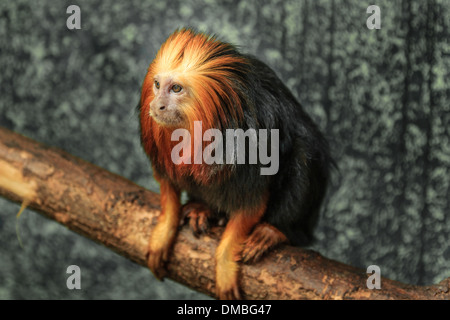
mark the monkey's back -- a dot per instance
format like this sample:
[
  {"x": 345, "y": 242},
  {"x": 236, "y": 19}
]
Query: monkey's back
[{"x": 298, "y": 189}]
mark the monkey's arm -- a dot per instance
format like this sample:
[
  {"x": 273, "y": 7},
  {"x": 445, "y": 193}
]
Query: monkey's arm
[{"x": 163, "y": 236}]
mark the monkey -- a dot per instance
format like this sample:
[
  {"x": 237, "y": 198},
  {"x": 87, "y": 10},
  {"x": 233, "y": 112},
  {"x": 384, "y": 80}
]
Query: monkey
[{"x": 197, "y": 77}]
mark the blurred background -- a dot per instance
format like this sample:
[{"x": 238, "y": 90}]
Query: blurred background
[{"x": 381, "y": 97}]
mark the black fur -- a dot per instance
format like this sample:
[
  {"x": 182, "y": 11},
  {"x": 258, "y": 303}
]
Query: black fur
[{"x": 297, "y": 191}]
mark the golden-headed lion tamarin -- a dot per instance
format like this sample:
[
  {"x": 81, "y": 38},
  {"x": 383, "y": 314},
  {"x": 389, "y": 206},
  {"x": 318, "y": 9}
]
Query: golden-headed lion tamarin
[{"x": 196, "y": 77}]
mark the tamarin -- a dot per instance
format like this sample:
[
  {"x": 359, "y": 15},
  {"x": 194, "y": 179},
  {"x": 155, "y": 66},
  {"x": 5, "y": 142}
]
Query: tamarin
[{"x": 197, "y": 77}]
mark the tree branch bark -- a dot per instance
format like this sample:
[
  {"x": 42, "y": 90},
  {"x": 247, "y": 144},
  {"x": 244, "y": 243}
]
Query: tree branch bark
[{"x": 121, "y": 215}]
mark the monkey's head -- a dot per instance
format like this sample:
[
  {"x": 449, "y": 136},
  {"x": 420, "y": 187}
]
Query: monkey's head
[{"x": 194, "y": 77}]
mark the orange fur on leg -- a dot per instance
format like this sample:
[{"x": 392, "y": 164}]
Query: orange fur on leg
[
  {"x": 228, "y": 252},
  {"x": 163, "y": 235}
]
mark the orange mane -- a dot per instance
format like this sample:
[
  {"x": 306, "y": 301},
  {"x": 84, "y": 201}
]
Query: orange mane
[{"x": 212, "y": 71}]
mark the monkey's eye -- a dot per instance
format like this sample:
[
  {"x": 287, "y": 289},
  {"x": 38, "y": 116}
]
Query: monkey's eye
[
  {"x": 156, "y": 84},
  {"x": 176, "y": 88}
]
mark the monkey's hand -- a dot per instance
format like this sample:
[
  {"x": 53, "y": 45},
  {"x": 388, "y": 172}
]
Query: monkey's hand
[
  {"x": 229, "y": 251},
  {"x": 227, "y": 276},
  {"x": 163, "y": 235},
  {"x": 159, "y": 247},
  {"x": 227, "y": 257},
  {"x": 198, "y": 215}
]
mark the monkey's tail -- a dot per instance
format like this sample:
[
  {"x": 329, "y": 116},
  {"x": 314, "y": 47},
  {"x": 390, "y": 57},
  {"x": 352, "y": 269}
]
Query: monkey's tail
[{"x": 22, "y": 208}]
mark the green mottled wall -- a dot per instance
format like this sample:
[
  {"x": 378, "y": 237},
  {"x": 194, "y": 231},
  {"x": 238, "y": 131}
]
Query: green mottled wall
[{"x": 381, "y": 96}]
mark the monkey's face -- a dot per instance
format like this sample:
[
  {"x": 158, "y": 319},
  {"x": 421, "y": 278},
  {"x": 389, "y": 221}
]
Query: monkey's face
[{"x": 170, "y": 97}]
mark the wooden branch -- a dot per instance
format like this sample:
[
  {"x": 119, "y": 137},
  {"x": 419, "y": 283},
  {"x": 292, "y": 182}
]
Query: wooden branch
[{"x": 121, "y": 215}]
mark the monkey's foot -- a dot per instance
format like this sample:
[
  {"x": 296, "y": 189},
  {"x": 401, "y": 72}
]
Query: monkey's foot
[
  {"x": 263, "y": 238},
  {"x": 198, "y": 214}
]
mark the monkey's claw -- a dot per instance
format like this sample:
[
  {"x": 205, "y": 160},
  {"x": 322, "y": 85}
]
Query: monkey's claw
[{"x": 198, "y": 215}]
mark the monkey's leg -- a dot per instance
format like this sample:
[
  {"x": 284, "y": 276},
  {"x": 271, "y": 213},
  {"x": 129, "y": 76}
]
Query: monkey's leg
[
  {"x": 228, "y": 252},
  {"x": 164, "y": 233},
  {"x": 263, "y": 238},
  {"x": 198, "y": 214}
]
